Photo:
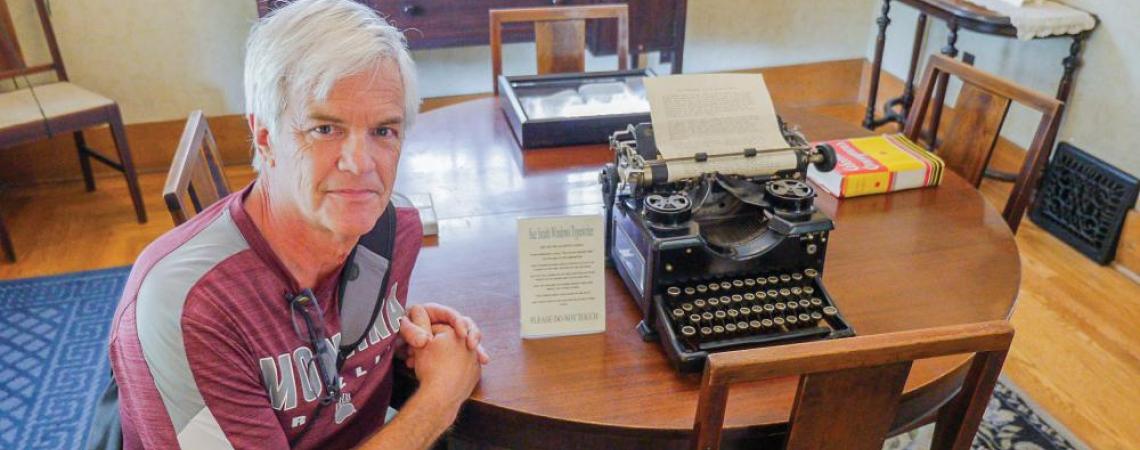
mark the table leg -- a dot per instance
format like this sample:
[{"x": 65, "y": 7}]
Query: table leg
[
  {"x": 904, "y": 101},
  {"x": 877, "y": 66},
  {"x": 950, "y": 50}
]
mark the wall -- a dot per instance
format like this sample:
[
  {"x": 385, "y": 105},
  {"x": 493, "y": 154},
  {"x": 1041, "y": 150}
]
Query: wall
[
  {"x": 1100, "y": 117},
  {"x": 163, "y": 59}
]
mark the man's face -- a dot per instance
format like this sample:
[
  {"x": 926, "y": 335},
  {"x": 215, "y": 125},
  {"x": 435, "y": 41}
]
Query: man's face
[{"x": 337, "y": 162}]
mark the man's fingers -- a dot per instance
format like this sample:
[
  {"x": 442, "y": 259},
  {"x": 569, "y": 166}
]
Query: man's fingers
[
  {"x": 420, "y": 317},
  {"x": 443, "y": 314},
  {"x": 484, "y": 358},
  {"x": 412, "y": 333},
  {"x": 474, "y": 335}
]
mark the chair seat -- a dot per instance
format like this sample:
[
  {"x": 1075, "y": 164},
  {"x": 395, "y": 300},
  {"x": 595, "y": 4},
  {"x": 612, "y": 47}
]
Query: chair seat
[{"x": 57, "y": 99}]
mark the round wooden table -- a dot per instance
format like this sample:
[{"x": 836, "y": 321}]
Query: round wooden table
[{"x": 908, "y": 260}]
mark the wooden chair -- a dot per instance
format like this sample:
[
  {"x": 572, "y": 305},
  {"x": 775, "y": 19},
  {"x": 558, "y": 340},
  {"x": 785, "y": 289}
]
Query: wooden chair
[
  {"x": 973, "y": 131},
  {"x": 195, "y": 180},
  {"x": 559, "y": 36},
  {"x": 849, "y": 389},
  {"x": 31, "y": 113}
]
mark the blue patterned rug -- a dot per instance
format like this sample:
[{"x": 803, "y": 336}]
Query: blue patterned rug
[{"x": 53, "y": 357}]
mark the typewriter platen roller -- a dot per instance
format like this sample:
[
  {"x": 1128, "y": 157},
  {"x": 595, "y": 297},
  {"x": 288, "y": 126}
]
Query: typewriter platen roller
[{"x": 721, "y": 251}]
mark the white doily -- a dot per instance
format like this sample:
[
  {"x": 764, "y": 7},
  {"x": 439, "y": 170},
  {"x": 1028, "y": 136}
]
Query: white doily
[{"x": 1038, "y": 19}]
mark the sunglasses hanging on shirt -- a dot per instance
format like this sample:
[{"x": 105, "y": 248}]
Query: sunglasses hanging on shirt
[{"x": 361, "y": 290}]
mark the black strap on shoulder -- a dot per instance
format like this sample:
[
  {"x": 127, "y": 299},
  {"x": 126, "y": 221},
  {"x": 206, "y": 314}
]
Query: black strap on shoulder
[{"x": 382, "y": 241}]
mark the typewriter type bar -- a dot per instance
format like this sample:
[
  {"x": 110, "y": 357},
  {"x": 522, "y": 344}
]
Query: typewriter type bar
[{"x": 743, "y": 312}]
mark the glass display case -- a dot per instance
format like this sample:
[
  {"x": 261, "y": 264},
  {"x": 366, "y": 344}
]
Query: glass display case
[{"x": 573, "y": 109}]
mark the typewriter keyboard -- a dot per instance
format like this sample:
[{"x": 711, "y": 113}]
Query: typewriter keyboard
[{"x": 751, "y": 311}]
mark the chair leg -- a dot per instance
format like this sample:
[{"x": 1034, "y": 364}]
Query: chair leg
[
  {"x": 119, "y": 134},
  {"x": 84, "y": 161},
  {"x": 958, "y": 420},
  {"x": 6, "y": 242}
]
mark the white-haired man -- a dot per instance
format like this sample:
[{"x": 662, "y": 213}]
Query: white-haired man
[{"x": 224, "y": 320}]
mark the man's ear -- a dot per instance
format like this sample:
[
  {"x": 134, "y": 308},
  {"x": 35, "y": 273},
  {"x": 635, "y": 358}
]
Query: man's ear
[{"x": 260, "y": 139}]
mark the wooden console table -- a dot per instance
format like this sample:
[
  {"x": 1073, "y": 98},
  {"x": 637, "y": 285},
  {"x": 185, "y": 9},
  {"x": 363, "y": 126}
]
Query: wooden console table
[{"x": 958, "y": 14}]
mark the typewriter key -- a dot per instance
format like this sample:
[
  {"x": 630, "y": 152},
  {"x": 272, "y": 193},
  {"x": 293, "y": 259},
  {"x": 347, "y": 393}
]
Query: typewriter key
[
  {"x": 760, "y": 295},
  {"x": 778, "y": 322},
  {"x": 745, "y": 312},
  {"x": 816, "y": 302},
  {"x": 725, "y": 300},
  {"x": 713, "y": 287},
  {"x": 690, "y": 291},
  {"x": 805, "y": 319},
  {"x": 767, "y": 324},
  {"x": 757, "y": 310},
  {"x": 699, "y": 303},
  {"x": 785, "y": 277},
  {"x": 773, "y": 279},
  {"x": 791, "y": 322},
  {"x": 694, "y": 319},
  {"x": 737, "y": 298},
  {"x": 785, "y": 292},
  {"x": 673, "y": 291},
  {"x": 749, "y": 282},
  {"x": 780, "y": 308},
  {"x": 808, "y": 290},
  {"x": 757, "y": 325},
  {"x": 737, "y": 283},
  {"x": 796, "y": 276},
  {"x": 729, "y": 329},
  {"x": 688, "y": 307},
  {"x": 688, "y": 331},
  {"x": 702, "y": 288},
  {"x": 713, "y": 302},
  {"x": 816, "y": 317},
  {"x": 743, "y": 327},
  {"x": 760, "y": 281},
  {"x": 706, "y": 332},
  {"x": 720, "y": 315},
  {"x": 830, "y": 311},
  {"x": 733, "y": 314},
  {"x": 768, "y": 309},
  {"x": 749, "y": 297},
  {"x": 718, "y": 330},
  {"x": 805, "y": 303},
  {"x": 707, "y": 316},
  {"x": 792, "y": 306},
  {"x": 811, "y": 273},
  {"x": 678, "y": 313},
  {"x": 773, "y": 294},
  {"x": 725, "y": 285},
  {"x": 796, "y": 291}
]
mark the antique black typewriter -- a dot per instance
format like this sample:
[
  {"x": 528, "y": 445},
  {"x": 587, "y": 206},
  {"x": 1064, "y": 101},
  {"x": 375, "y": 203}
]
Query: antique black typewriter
[{"x": 722, "y": 251}]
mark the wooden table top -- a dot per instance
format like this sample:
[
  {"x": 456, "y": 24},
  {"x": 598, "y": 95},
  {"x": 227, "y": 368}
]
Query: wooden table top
[{"x": 908, "y": 260}]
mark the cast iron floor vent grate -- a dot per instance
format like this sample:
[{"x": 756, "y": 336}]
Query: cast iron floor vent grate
[{"x": 1083, "y": 201}]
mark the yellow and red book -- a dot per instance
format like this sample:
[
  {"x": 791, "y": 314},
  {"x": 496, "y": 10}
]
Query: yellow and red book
[{"x": 878, "y": 164}]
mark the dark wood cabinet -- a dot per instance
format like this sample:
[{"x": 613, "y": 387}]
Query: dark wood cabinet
[{"x": 655, "y": 25}]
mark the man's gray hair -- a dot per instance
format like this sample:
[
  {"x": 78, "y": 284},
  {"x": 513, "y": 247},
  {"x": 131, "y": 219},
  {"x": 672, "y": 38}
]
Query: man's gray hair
[{"x": 299, "y": 51}]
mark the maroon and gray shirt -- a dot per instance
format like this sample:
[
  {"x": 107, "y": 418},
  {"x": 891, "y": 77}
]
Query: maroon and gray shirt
[{"x": 206, "y": 356}]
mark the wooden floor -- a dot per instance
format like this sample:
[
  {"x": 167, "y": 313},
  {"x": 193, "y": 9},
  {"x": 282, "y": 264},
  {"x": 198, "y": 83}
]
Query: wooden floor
[{"x": 1077, "y": 350}]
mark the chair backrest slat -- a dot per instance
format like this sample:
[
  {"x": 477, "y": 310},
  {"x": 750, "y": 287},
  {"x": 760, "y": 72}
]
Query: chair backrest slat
[
  {"x": 560, "y": 36},
  {"x": 974, "y": 128},
  {"x": 11, "y": 58},
  {"x": 12, "y": 62},
  {"x": 849, "y": 388},
  {"x": 978, "y": 117},
  {"x": 196, "y": 179}
]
